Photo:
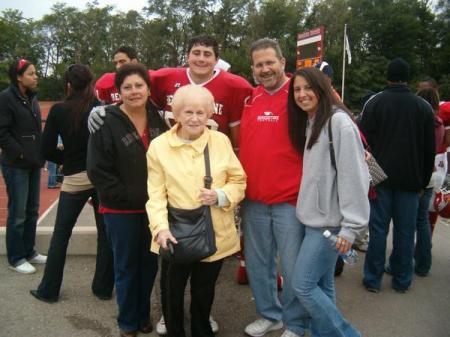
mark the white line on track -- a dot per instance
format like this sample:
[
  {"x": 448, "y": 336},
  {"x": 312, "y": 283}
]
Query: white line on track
[{"x": 42, "y": 217}]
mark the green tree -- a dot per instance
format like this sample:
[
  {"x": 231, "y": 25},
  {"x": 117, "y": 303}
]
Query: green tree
[
  {"x": 441, "y": 69},
  {"x": 18, "y": 38},
  {"x": 281, "y": 20}
]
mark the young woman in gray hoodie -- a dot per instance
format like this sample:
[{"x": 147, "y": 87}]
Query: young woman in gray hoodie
[{"x": 332, "y": 196}]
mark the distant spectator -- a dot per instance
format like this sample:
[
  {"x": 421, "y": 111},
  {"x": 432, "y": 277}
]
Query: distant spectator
[
  {"x": 20, "y": 142},
  {"x": 399, "y": 127},
  {"x": 105, "y": 89},
  {"x": 53, "y": 169},
  {"x": 326, "y": 68},
  {"x": 428, "y": 82},
  {"x": 68, "y": 121},
  {"x": 422, "y": 254}
]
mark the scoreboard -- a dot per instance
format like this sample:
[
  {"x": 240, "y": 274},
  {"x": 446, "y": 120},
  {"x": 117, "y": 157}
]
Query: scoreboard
[{"x": 310, "y": 47}]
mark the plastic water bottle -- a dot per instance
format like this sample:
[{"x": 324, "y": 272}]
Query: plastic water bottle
[{"x": 350, "y": 257}]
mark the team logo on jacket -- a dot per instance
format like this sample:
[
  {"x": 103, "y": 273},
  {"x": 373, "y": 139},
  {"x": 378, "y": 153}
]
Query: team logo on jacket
[{"x": 267, "y": 116}]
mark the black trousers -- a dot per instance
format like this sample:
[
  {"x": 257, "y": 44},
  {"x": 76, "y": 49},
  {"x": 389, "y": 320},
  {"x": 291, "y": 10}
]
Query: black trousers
[
  {"x": 174, "y": 278},
  {"x": 70, "y": 206}
]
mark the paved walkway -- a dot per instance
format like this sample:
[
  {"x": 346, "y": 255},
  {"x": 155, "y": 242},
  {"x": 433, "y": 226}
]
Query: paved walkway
[{"x": 424, "y": 311}]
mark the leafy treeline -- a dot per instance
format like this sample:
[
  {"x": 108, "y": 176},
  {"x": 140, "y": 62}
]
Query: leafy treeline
[{"x": 378, "y": 30}]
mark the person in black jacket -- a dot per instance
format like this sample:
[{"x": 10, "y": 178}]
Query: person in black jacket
[
  {"x": 68, "y": 119},
  {"x": 399, "y": 127},
  {"x": 117, "y": 167},
  {"x": 20, "y": 140}
]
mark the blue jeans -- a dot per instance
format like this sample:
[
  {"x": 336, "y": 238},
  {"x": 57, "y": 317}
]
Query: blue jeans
[
  {"x": 22, "y": 187},
  {"x": 400, "y": 206},
  {"x": 135, "y": 267},
  {"x": 272, "y": 231},
  {"x": 422, "y": 254},
  {"x": 70, "y": 206},
  {"x": 51, "y": 168},
  {"x": 313, "y": 283}
]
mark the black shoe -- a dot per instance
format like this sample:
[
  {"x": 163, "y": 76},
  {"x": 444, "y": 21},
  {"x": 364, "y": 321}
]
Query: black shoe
[
  {"x": 370, "y": 288},
  {"x": 401, "y": 290},
  {"x": 128, "y": 333},
  {"x": 43, "y": 299},
  {"x": 339, "y": 268},
  {"x": 421, "y": 273},
  {"x": 146, "y": 328},
  {"x": 103, "y": 297}
]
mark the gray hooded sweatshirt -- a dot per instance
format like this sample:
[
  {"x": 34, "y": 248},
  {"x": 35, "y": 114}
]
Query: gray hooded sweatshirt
[{"x": 332, "y": 197}]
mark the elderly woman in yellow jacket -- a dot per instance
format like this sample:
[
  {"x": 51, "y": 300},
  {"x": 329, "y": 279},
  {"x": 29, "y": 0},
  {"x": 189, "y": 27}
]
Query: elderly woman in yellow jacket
[{"x": 176, "y": 169}]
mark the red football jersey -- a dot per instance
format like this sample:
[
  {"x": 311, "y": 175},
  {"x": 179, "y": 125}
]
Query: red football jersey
[
  {"x": 272, "y": 164},
  {"x": 105, "y": 89},
  {"x": 444, "y": 113},
  {"x": 229, "y": 91}
]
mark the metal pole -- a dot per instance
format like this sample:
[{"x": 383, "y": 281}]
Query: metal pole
[{"x": 343, "y": 64}]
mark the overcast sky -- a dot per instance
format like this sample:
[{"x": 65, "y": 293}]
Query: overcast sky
[{"x": 35, "y": 9}]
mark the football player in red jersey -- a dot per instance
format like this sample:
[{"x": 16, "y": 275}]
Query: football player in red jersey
[
  {"x": 229, "y": 91},
  {"x": 105, "y": 89}
]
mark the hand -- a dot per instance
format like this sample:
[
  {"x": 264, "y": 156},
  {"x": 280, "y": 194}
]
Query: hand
[
  {"x": 208, "y": 197},
  {"x": 342, "y": 245},
  {"x": 95, "y": 120},
  {"x": 368, "y": 155},
  {"x": 60, "y": 147},
  {"x": 163, "y": 236}
]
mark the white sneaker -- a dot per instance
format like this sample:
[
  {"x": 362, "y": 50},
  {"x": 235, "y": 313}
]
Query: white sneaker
[
  {"x": 214, "y": 325},
  {"x": 161, "y": 327},
  {"x": 162, "y": 330},
  {"x": 262, "y": 326},
  {"x": 38, "y": 259},
  {"x": 24, "y": 268},
  {"x": 289, "y": 333}
]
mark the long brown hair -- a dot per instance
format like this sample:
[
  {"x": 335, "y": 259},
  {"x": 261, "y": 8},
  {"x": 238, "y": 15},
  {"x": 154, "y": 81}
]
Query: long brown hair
[
  {"x": 297, "y": 118},
  {"x": 431, "y": 96},
  {"x": 81, "y": 95}
]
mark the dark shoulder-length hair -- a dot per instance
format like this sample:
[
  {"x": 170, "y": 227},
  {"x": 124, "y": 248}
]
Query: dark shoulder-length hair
[
  {"x": 78, "y": 81},
  {"x": 131, "y": 69},
  {"x": 297, "y": 118}
]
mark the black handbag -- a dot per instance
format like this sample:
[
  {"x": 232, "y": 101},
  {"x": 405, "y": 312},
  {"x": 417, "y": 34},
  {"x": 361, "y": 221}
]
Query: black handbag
[
  {"x": 377, "y": 175},
  {"x": 193, "y": 229}
]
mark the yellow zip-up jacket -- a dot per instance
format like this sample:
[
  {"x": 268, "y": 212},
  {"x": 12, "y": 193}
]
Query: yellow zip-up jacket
[{"x": 175, "y": 176}]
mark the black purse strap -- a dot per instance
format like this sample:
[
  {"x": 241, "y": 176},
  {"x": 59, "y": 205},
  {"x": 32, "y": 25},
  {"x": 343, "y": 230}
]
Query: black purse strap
[
  {"x": 330, "y": 141},
  {"x": 207, "y": 179}
]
